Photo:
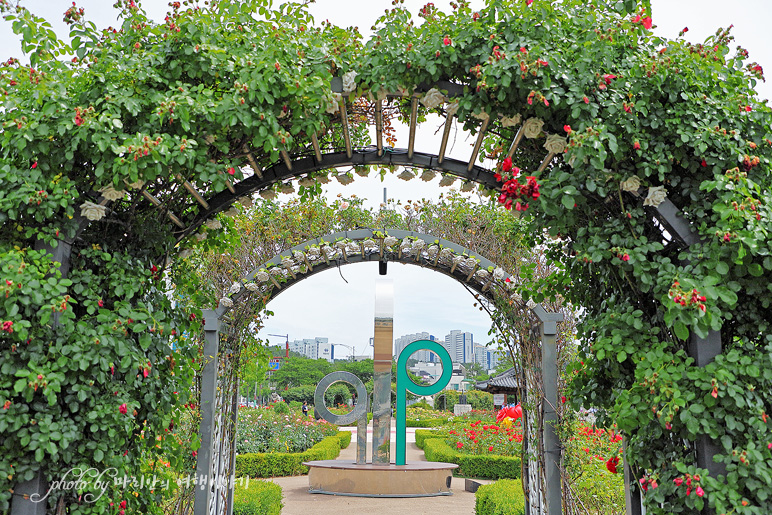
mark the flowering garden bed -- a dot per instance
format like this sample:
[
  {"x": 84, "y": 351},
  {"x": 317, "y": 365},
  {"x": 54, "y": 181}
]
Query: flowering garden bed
[{"x": 262, "y": 430}]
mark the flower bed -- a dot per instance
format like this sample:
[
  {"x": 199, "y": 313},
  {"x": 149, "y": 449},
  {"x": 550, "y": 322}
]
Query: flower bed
[
  {"x": 280, "y": 464},
  {"x": 489, "y": 466},
  {"x": 262, "y": 430}
]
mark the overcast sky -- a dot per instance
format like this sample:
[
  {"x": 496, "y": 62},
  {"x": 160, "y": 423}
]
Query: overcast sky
[{"x": 342, "y": 310}]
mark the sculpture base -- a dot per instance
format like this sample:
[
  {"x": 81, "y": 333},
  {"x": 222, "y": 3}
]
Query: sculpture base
[{"x": 415, "y": 479}]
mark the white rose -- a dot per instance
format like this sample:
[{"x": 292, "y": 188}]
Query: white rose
[
  {"x": 532, "y": 127},
  {"x": 467, "y": 186},
  {"x": 419, "y": 244},
  {"x": 252, "y": 287},
  {"x": 333, "y": 103},
  {"x": 322, "y": 178},
  {"x": 287, "y": 262},
  {"x": 262, "y": 276},
  {"x": 329, "y": 251},
  {"x": 510, "y": 121},
  {"x": 452, "y": 108},
  {"x": 306, "y": 182},
  {"x": 246, "y": 201},
  {"x": 428, "y": 175},
  {"x": 213, "y": 224},
  {"x": 349, "y": 83},
  {"x": 298, "y": 256},
  {"x": 201, "y": 236},
  {"x": 185, "y": 253},
  {"x": 632, "y": 183},
  {"x": 458, "y": 260},
  {"x": 482, "y": 274},
  {"x": 313, "y": 252},
  {"x": 275, "y": 271},
  {"x": 344, "y": 178},
  {"x": 433, "y": 251},
  {"x": 231, "y": 212},
  {"x": 555, "y": 144},
  {"x": 110, "y": 193},
  {"x": 405, "y": 246},
  {"x": 447, "y": 180},
  {"x": 406, "y": 175},
  {"x": 352, "y": 247},
  {"x": 470, "y": 262},
  {"x": 92, "y": 211},
  {"x": 225, "y": 301},
  {"x": 390, "y": 241},
  {"x": 433, "y": 98},
  {"x": 499, "y": 274},
  {"x": 369, "y": 244},
  {"x": 482, "y": 115},
  {"x": 287, "y": 188},
  {"x": 531, "y": 304},
  {"x": 136, "y": 185},
  {"x": 268, "y": 194},
  {"x": 234, "y": 289},
  {"x": 656, "y": 196}
]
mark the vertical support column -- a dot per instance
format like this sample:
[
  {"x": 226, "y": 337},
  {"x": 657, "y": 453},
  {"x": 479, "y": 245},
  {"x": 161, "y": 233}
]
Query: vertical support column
[
  {"x": 382, "y": 357},
  {"x": 205, "y": 456},
  {"x": 232, "y": 443},
  {"x": 633, "y": 504},
  {"x": 704, "y": 351},
  {"x": 362, "y": 433},
  {"x": 549, "y": 364}
]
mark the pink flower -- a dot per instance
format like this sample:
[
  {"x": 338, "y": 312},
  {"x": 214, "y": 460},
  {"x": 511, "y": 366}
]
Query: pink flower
[
  {"x": 528, "y": 2},
  {"x": 195, "y": 453},
  {"x": 608, "y": 77},
  {"x": 586, "y": 100},
  {"x": 678, "y": 481},
  {"x": 459, "y": 445},
  {"x": 636, "y": 146},
  {"x": 231, "y": 171},
  {"x": 123, "y": 409},
  {"x": 646, "y": 23},
  {"x": 446, "y": 41},
  {"x": 34, "y": 165},
  {"x": 506, "y": 165},
  {"x": 626, "y": 257},
  {"x": 490, "y": 449},
  {"x": 101, "y": 303},
  {"x": 700, "y": 491},
  {"x": 567, "y": 128},
  {"x": 123, "y": 505}
]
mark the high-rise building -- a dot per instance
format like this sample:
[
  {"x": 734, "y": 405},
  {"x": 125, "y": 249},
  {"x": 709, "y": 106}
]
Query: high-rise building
[
  {"x": 460, "y": 346},
  {"x": 422, "y": 355},
  {"x": 486, "y": 357},
  {"x": 313, "y": 348}
]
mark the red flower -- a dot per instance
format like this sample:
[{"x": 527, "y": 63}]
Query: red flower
[
  {"x": 746, "y": 108},
  {"x": 703, "y": 163},
  {"x": 637, "y": 19},
  {"x": 195, "y": 453},
  {"x": 612, "y": 463},
  {"x": 506, "y": 165},
  {"x": 523, "y": 50},
  {"x": 646, "y": 23},
  {"x": 101, "y": 303},
  {"x": 78, "y": 120},
  {"x": 446, "y": 41},
  {"x": 514, "y": 412},
  {"x": 123, "y": 409},
  {"x": 586, "y": 100},
  {"x": 231, "y": 171},
  {"x": 636, "y": 146},
  {"x": 123, "y": 505},
  {"x": 563, "y": 399},
  {"x": 627, "y": 107},
  {"x": 608, "y": 77},
  {"x": 700, "y": 491},
  {"x": 626, "y": 257},
  {"x": 678, "y": 481},
  {"x": 528, "y": 2},
  {"x": 490, "y": 449},
  {"x": 34, "y": 165},
  {"x": 459, "y": 445},
  {"x": 567, "y": 128},
  {"x": 277, "y": 66}
]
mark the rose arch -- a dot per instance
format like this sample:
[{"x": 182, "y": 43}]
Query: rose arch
[{"x": 647, "y": 159}]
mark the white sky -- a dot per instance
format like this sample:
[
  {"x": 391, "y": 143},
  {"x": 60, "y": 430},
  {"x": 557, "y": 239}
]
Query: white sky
[{"x": 324, "y": 304}]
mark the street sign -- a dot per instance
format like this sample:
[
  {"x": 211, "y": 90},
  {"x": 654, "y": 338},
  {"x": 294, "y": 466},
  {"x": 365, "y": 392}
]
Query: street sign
[{"x": 498, "y": 399}]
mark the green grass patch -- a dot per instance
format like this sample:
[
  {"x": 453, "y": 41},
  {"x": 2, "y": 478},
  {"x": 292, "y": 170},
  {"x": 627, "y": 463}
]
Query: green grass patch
[
  {"x": 256, "y": 498},
  {"x": 503, "y": 497}
]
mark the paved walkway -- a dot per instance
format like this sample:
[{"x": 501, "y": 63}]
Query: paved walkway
[{"x": 297, "y": 500}]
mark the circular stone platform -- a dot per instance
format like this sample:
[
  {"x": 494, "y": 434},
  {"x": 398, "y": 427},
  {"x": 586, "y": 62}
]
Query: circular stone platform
[{"x": 414, "y": 479}]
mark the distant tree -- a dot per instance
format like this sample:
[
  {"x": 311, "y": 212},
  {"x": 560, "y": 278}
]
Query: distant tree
[
  {"x": 362, "y": 369},
  {"x": 301, "y": 371}
]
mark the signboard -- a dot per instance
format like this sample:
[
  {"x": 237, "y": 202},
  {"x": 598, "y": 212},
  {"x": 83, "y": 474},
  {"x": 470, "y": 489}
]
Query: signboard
[
  {"x": 274, "y": 365},
  {"x": 498, "y": 399}
]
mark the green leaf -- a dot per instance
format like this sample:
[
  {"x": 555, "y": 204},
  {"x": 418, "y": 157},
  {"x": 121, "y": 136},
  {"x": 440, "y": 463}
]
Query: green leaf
[
  {"x": 568, "y": 201},
  {"x": 722, "y": 268},
  {"x": 117, "y": 123},
  {"x": 681, "y": 331}
]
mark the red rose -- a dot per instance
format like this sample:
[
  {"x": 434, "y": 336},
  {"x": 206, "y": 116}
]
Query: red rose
[
  {"x": 567, "y": 128},
  {"x": 637, "y": 146},
  {"x": 123, "y": 409},
  {"x": 446, "y": 41},
  {"x": 612, "y": 463}
]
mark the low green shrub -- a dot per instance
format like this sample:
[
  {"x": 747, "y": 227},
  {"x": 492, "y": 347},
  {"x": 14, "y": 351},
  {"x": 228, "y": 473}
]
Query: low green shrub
[
  {"x": 281, "y": 408},
  {"x": 280, "y": 464},
  {"x": 421, "y": 435},
  {"x": 254, "y": 497},
  {"x": 490, "y": 466},
  {"x": 426, "y": 422},
  {"x": 503, "y": 497}
]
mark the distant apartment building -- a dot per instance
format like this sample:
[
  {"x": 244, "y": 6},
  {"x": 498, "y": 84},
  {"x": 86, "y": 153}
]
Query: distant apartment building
[
  {"x": 313, "y": 348},
  {"x": 422, "y": 355},
  {"x": 460, "y": 346},
  {"x": 486, "y": 357}
]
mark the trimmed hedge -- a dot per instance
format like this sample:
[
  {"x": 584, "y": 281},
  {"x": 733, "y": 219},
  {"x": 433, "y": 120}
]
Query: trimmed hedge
[
  {"x": 503, "y": 497},
  {"x": 489, "y": 466},
  {"x": 421, "y": 435},
  {"x": 280, "y": 464},
  {"x": 425, "y": 422},
  {"x": 257, "y": 498}
]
